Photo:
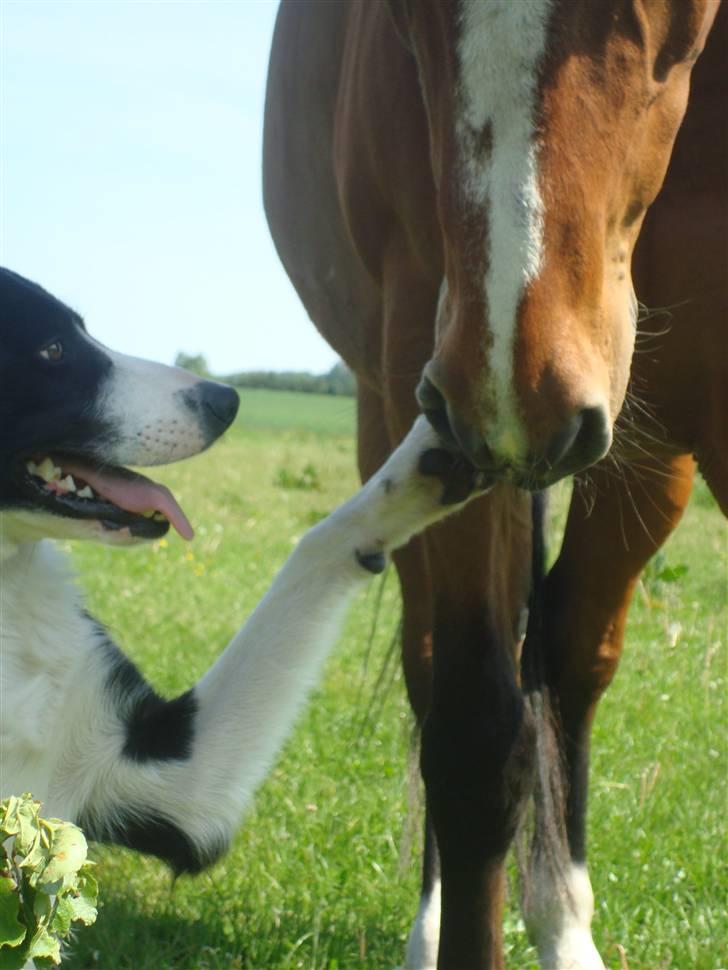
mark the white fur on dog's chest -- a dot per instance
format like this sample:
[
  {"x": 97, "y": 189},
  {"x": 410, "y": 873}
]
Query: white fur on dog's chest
[{"x": 43, "y": 638}]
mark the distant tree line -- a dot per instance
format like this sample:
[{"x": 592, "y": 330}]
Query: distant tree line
[{"x": 338, "y": 380}]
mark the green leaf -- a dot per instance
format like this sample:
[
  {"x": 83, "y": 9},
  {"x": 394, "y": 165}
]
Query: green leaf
[
  {"x": 22, "y": 817},
  {"x": 13, "y": 959},
  {"x": 8, "y": 819},
  {"x": 42, "y": 907},
  {"x": 34, "y": 858},
  {"x": 45, "y": 945},
  {"x": 83, "y": 908},
  {"x": 67, "y": 854},
  {"x": 56, "y": 889},
  {"x": 12, "y": 931},
  {"x": 671, "y": 574},
  {"x": 63, "y": 916}
]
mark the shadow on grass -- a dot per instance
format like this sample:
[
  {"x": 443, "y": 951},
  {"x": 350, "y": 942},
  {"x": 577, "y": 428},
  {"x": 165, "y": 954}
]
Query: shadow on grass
[{"x": 123, "y": 938}]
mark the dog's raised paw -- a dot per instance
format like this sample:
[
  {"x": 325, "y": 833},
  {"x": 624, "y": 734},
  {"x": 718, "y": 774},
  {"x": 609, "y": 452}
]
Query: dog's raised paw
[{"x": 459, "y": 478}]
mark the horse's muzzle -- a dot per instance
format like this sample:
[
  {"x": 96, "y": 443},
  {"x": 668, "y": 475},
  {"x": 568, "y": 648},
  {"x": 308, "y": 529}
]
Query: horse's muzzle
[{"x": 573, "y": 445}]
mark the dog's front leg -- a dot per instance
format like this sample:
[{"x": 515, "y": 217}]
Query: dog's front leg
[
  {"x": 250, "y": 697},
  {"x": 186, "y": 808}
]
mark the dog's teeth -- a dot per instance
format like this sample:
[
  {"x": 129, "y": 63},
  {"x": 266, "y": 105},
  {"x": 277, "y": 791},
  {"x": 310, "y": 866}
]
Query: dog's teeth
[
  {"x": 32, "y": 467},
  {"x": 68, "y": 484},
  {"x": 48, "y": 471},
  {"x": 85, "y": 492},
  {"x": 45, "y": 469}
]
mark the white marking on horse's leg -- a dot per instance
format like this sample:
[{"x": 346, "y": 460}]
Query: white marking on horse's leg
[
  {"x": 559, "y": 919},
  {"x": 424, "y": 938},
  {"x": 500, "y": 49}
]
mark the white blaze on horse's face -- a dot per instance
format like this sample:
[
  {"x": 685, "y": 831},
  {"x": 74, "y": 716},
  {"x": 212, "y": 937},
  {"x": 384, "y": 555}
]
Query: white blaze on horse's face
[
  {"x": 500, "y": 49},
  {"x": 551, "y": 124}
]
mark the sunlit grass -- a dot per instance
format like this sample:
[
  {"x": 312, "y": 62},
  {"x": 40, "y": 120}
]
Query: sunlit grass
[
  {"x": 323, "y": 874},
  {"x": 293, "y": 411}
]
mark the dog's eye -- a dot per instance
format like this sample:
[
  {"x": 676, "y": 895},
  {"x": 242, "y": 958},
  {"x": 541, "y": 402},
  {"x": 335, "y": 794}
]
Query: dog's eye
[{"x": 52, "y": 351}]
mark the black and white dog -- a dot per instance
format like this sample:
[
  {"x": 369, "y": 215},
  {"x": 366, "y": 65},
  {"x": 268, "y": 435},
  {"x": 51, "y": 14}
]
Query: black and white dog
[{"x": 79, "y": 726}]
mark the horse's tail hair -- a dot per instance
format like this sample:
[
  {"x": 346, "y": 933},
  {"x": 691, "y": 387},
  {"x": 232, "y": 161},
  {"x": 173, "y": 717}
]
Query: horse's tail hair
[{"x": 549, "y": 841}]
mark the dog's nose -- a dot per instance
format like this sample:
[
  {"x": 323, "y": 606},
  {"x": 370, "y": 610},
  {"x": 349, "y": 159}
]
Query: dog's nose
[{"x": 218, "y": 404}]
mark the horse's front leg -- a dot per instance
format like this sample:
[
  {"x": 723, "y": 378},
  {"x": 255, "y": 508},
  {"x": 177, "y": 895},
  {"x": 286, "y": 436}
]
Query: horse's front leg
[
  {"x": 587, "y": 595},
  {"x": 464, "y": 587},
  {"x": 478, "y": 738}
]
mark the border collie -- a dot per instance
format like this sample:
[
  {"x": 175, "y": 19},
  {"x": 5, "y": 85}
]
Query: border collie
[{"x": 79, "y": 726}]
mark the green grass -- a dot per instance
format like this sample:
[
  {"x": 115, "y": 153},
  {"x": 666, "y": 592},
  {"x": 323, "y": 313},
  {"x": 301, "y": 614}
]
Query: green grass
[
  {"x": 292, "y": 411},
  {"x": 324, "y": 873}
]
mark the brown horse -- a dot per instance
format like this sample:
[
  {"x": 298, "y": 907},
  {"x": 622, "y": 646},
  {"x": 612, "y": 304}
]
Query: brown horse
[
  {"x": 675, "y": 419},
  {"x": 456, "y": 189}
]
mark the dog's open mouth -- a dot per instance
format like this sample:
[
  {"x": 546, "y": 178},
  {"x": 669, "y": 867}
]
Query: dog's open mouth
[{"x": 116, "y": 497}]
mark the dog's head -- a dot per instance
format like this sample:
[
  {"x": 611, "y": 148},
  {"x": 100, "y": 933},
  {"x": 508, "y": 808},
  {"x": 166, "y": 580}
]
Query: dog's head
[{"x": 73, "y": 413}]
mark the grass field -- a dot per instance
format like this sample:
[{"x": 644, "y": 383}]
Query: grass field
[{"x": 324, "y": 873}]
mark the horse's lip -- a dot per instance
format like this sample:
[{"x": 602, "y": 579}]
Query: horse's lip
[
  {"x": 524, "y": 477},
  {"x": 530, "y": 475},
  {"x": 535, "y": 478}
]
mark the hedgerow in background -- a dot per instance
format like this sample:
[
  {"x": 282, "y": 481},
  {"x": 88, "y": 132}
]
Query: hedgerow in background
[{"x": 45, "y": 884}]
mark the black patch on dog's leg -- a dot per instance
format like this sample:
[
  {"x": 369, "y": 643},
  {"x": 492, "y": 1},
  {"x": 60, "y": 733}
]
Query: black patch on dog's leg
[
  {"x": 159, "y": 730},
  {"x": 458, "y": 476},
  {"x": 156, "y": 729},
  {"x": 436, "y": 462},
  {"x": 373, "y": 562}
]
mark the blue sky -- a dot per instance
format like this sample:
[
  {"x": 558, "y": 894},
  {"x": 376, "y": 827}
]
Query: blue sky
[{"x": 131, "y": 142}]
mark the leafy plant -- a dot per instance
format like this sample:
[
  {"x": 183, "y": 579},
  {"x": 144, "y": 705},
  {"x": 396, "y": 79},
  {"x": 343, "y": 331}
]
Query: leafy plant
[
  {"x": 307, "y": 481},
  {"x": 657, "y": 576},
  {"x": 46, "y": 884}
]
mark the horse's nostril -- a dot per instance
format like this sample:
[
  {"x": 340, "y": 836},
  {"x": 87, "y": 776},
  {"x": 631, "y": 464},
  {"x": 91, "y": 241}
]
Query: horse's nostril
[
  {"x": 563, "y": 440},
  {"x": 428, "y": 396},
  {"x": 454, "y": 431},
  {"x": 433, "y": 407},
  {"x": 594, "y": 436},
  {"x": 581, "y": 441}
]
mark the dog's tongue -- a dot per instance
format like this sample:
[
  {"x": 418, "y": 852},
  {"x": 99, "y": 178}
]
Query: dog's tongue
[{"x": 133, "y": 493}]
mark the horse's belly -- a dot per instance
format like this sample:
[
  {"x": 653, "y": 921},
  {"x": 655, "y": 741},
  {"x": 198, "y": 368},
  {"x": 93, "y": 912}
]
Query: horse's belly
[{"x": 299, "y": 185}]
